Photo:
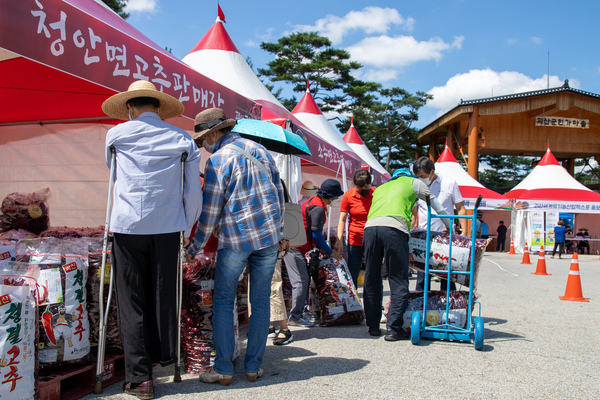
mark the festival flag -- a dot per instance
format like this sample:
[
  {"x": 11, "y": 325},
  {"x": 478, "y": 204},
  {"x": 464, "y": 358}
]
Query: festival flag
[{"x": 221, "y": 14}]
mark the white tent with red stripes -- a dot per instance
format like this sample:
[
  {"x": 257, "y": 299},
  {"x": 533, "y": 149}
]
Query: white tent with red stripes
[
  {"x": 352, "y": 138},
  {"x": 539, "y": 199},
  {"x": 310, "y": 114},
  {"x": 217, "y": 57},
  {"x": 550, "y": 187},
  {"x": 470, "y": 188}
]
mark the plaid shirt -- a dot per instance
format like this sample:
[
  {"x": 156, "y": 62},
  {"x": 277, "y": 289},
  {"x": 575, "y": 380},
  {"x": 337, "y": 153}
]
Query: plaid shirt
[{"x": 240, "y": 202}]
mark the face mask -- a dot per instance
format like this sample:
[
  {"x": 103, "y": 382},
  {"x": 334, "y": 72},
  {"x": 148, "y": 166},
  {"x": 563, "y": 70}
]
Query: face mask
[
  {"x": 425, "y": 181},
  {"x": 364, "y": 192},
  {"x": 208, "y": 147}
]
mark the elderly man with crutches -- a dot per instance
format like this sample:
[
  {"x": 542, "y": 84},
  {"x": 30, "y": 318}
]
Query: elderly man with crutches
[{"x": 157, "y": 196}]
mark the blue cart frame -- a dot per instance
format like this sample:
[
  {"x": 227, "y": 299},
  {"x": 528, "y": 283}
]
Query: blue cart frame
[{"x": 475, "y": 328}]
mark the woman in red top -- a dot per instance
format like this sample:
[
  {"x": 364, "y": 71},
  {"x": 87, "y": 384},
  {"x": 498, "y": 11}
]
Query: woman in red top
[{"x": 356, "y": 204}]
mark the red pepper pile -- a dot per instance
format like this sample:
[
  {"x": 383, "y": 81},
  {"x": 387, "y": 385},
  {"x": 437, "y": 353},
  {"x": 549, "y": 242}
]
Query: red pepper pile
[{"x": 196, "y": 315}]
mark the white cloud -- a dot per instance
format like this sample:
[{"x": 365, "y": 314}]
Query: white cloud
[
  {"x": 385, "y": 51},
  {"x": 141, "y": 6},
  {"x": 370, "y": 20},
  {"x": 376, "y": 75},
  {"x": 512, "y": 41},
  {"x": 483, "y": 83},
  {"x": 536, "y": 39}
]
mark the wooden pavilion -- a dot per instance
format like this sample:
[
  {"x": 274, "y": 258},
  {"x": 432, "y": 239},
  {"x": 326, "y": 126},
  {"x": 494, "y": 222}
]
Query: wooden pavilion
[{"x": 521, "y": 124}]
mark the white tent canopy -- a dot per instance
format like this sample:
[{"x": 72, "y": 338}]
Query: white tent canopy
[
  {"x": 354, "y": 141},
  {"x": 470, "y": 188}
]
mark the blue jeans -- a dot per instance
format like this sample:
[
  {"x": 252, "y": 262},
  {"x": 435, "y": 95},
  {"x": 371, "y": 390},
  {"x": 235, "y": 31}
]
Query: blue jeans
[
  {"x": 230, "y": 265},
  {"x": 355, "y": 257}
]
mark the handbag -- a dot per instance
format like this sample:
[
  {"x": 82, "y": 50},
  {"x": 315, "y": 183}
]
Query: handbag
[{"x": 293, "y": 223}]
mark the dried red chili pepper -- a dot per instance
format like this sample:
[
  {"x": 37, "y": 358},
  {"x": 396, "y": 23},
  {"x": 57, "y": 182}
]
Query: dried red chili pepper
[{"x": 47, "y": 321}]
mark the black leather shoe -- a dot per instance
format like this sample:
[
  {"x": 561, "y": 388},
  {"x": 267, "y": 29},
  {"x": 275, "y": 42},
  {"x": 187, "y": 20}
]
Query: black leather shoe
[
  {"x": 374, "y": 331},
  {"x": 143, "y": 390},
  {"x": 392, "y": 336}
]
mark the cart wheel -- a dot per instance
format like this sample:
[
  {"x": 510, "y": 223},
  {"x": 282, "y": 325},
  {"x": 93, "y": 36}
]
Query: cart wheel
[
  {"x": 478, "y": 340},
  {"x": 415, "y": 328}
]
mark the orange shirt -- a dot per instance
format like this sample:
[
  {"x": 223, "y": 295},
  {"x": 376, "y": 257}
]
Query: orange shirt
[{"x": 357, "y": 208}]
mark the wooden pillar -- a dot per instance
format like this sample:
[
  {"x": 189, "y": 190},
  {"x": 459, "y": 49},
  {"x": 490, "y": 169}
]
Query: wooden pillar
[
  {"x": 569, "y": 165},
  {"x": 473, "y": 161},
  {"x": 432, "y": 149},
  {"x": 450, "y": 137}
]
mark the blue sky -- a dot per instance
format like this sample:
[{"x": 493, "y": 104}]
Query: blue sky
[{"x": 454, "y": 49}]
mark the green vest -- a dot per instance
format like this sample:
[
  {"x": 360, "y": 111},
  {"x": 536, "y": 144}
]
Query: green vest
[{"x": 394, "y": 199}]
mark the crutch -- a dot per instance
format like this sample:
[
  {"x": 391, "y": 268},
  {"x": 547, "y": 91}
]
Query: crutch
[
  {"x": 104, "y": 315},
  {"x": 177, "y": 375}
]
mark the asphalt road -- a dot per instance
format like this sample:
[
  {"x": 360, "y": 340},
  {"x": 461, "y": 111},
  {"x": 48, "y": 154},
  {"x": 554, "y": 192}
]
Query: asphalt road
[{"x": 536, "y": 347}]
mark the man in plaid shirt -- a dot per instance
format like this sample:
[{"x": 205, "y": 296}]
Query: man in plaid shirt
[{"x": 244, "y": 206}]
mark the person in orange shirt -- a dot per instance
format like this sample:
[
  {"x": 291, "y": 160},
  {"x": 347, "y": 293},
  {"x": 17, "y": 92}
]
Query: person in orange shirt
[{"x": 355, "y": 205}]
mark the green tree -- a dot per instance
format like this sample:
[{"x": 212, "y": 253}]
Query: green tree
[
  {"x": 304, "y": 56},
  {"x": 117, "y": 6},
  {"x": 589, "y": 174},
  {"x": 504, "y": 172},
  {"x": 384, "y": 121}
]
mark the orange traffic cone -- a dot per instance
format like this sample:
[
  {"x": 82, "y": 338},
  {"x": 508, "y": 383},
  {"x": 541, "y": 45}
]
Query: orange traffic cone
[
  {"x": 512, "y": 247},
  {"x": 526, "y": 259},
  {"x": 541, "y": 264},
  {"x": 573, "y": 292}
]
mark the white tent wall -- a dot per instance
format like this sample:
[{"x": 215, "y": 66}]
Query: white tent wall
[
  {"x": 521, "y": 229},
  {"x": 68, "y": 159}
]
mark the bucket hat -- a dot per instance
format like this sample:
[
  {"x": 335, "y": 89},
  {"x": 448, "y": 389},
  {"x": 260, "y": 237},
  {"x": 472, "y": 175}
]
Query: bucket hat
[
  {"x": 330, "y": 189},
  {"x": 115, "y": 106}
]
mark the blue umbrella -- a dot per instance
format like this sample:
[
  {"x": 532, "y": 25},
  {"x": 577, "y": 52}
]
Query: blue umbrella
[{"x": 272, "y": 136}]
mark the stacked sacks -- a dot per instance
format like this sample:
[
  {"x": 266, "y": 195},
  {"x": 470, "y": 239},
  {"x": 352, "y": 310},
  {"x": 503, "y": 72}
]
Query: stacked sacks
[
  {"x": 62, "y": 278},
  {"x": 436, "y": 308},
  {"x": 438, "y": 258},
  {"x": 18, "y": 339}
]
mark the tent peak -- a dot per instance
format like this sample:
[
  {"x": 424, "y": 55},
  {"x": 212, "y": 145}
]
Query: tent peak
[
  {"x": 216, "y": 38},
  {"x": 352, "y": 136},
  {"x": 307, "y": 104},
  {"x": 548, "y": 158},
  {"x": 447, "y": 156}
]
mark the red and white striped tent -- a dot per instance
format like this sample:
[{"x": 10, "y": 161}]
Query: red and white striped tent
[
  {"x": 352, "y": 138},
  {"x": 217, "y": 57},
  {"x": 550, "y": 187},
  {"x": 470, "y": 188}
]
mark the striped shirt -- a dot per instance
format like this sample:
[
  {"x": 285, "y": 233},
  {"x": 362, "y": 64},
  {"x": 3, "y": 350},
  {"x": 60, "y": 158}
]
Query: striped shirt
[{"x": 241, "y": 204}]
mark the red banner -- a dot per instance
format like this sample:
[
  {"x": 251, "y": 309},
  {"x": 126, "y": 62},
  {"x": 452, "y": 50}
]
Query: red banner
[{"x": 81, "y": 43}]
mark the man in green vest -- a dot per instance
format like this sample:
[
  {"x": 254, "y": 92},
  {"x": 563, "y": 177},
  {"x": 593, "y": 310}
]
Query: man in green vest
[{"x": 386, "y": 237}]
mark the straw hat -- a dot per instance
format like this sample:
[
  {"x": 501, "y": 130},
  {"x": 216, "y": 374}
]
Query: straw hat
[
  {"x": 115, "y": 106},
  {"x": 584, "y": 229},
  {"x": 210, "y": 120},
  {"x": 308, "y": 189}
]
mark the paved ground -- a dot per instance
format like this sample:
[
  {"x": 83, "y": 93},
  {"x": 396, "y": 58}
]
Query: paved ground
[{"x": 536, "y": 347}]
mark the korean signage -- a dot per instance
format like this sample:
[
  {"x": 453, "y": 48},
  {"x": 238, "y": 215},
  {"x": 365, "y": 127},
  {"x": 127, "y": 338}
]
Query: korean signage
[
  {"x": 562, "y": 122},
  {"x": 56, "y": 34}
]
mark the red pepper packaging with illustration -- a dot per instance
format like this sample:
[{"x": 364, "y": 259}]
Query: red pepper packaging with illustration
[
  {"x": 338, "y": 300},
  {"x": 18, "y": 331},
  {"x": 63, "y": 314}
]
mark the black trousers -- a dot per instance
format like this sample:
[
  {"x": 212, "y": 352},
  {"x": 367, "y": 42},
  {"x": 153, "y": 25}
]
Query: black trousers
[
  {"x": 145, "y": 268},
  {"x": 380, "y": 242}
]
